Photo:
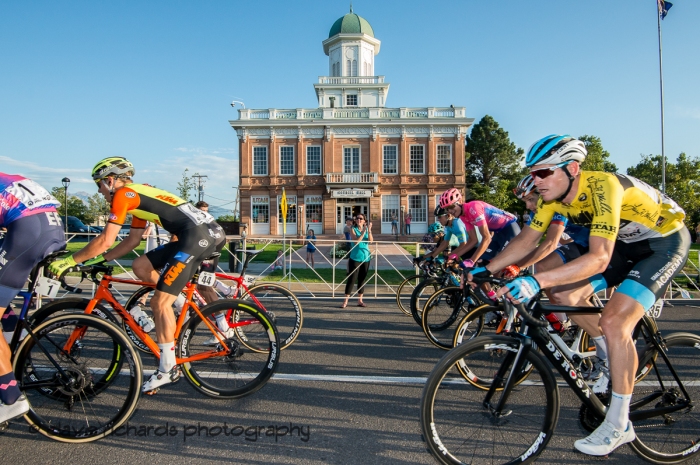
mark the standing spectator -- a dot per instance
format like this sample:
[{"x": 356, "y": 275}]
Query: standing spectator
[
  {"x": 358, "y": 264},
  {"x": 408, "y": 223},
  {"x": 310, "y": 247},
  {"x": 394, "y": 224}
]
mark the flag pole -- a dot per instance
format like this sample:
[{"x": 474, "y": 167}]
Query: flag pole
[{"x": 661, "y": 85}]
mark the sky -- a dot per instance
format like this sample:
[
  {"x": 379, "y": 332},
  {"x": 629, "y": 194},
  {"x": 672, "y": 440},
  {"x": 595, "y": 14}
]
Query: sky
[{"x": 153, "y": 81}]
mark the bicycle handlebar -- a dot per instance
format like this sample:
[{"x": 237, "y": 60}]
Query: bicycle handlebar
[{"x": 520, "y": 307}]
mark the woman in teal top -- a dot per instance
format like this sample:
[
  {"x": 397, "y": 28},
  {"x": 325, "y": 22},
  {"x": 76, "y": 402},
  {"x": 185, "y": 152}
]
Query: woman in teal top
[{"x": 360, "y": 257}]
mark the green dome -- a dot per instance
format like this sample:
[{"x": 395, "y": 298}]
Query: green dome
[{"x": 351, "y": 24}]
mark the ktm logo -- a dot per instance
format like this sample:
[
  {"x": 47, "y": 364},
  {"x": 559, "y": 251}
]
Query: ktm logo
[
  {"x": 173, "y": 273},
  {"x": 167, "y": 198}
]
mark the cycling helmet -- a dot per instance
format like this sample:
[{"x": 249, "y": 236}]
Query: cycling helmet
[
  {"x": 436, "y": 228},
  {"x": 450, "y": 197},
  {"x": 525, "y": 186},
  {"x": 555, "y": 149},
  {"x": 439, "y": 211},
  {"x": 112, "y": 166}
]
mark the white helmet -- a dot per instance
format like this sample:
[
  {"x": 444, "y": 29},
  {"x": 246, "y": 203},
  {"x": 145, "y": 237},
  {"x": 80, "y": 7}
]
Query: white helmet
[{"x": 554, "y": 149}]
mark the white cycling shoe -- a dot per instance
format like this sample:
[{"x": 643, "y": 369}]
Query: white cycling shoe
[
  {"x": 605, "y": 439},
  {"x": 159, "y": 378},
  {"x": 212, "y": 341},
  {"x": 19, "y": 408}
]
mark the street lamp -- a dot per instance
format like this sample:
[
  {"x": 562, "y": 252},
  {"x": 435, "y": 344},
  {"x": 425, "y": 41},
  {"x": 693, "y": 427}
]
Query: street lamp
[{"x": 66, "y": 182}]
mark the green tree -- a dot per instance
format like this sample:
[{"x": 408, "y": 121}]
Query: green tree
[
  {"x": 493, "y": 165},
  {"x": 682, "y": 182},
  {"x": 76, "y": 207},
  {"x": 98, "y": 208},
  {"x": 597, "y": 158},
  {"x": 185, "y": 186}
]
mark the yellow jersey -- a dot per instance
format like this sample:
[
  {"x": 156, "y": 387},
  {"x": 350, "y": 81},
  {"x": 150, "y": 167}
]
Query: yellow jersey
[{"x": 616, "y": 207}]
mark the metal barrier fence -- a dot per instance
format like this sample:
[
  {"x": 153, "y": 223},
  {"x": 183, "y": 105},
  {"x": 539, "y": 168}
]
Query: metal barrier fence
[{"x": 391, "y": 262}]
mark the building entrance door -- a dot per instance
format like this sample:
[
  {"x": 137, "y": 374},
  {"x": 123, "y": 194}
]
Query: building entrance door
[{"x": 346, "y": 210}]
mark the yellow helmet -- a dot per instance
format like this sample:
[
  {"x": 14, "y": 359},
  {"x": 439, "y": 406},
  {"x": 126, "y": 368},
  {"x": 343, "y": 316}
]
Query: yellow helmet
[{"x": 112, "y": 166}]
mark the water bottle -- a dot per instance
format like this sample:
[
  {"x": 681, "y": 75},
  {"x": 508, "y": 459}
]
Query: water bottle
[
  {"x": 142, "y": 319},
  {"x": 492, "y": 295},
  {"x": 555, "y": 322}
]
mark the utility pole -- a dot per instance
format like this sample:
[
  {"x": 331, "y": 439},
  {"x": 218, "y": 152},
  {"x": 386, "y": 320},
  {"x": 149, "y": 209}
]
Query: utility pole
[{"x": 199, "y": 185}]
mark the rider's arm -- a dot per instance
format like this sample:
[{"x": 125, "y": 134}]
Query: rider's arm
[
  {"x": 129, "y": 243},
  {"x": 587, "y": 265},
  {"x": 485, "y": 241},
  {"x": 445, "y": 243},
  {"x": 516, "y": 250},
  {"x": 98, "y": 245},
  {"x": 547, "y": 246}
]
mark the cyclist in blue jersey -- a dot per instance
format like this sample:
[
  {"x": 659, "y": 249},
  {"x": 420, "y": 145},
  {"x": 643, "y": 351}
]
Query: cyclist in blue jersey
[
  {"x": 34, "y": 230},
  {"x": 454, "y": 229}
]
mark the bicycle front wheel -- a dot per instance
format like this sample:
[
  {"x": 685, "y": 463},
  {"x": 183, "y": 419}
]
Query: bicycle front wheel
[
  {"x": 420, "y": 296},
  {"x": 283, "y": 308},
  {"x": 404, "y": 292},
  {"x": 674, "y": 436},
  {"x": 441, "y": 314},
  {"x": 227, "y": 367},
  {"x": 461, "y": 426},
  {"x": 97, "y": 387}
]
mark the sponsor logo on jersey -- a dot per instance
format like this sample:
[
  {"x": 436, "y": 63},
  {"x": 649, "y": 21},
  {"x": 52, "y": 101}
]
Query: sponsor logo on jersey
[
  {"x": 582, "y": 197},
  {"x": 603, "y": 227},
  {"x": 112, "y": 217},
  {"x": 203, "y": 243},
  {"x": 181, "y": 257},
  {"x": 167, "y": 198},
  {"x": 131, "y": 195}
]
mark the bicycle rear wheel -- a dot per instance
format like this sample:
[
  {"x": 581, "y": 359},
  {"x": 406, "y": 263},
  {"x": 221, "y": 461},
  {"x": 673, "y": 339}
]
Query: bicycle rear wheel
[
  {"x": 459, "y": 428},
  {"x": 237, "y": 370},
  {"x": 483, "y": 317},
  {"x": 283, "y": 308},
  {"x": 404, "y": 292},
  {"x": 101, "y": 384},
  {"x": 441, "y": 314},
  {"x": 675, "y": 436}
]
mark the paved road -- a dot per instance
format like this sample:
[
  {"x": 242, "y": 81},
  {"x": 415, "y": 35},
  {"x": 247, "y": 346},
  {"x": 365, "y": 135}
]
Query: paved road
[{"x": 347, "y": 392}]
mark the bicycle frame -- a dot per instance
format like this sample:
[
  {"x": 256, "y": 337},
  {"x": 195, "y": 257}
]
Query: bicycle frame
[
  {"x": 540, "y": 337},
  {"x": 104, "y": 294}
]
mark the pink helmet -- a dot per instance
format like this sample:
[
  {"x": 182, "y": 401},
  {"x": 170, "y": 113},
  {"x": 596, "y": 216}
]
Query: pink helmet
[{"x": 450, "y": 197}]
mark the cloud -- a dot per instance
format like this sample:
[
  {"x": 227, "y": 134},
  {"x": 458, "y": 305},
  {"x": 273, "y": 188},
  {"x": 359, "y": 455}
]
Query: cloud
[{"x": 686, "y": 112}]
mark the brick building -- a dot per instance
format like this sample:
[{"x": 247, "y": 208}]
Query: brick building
[{"x": 350, "y": 155}]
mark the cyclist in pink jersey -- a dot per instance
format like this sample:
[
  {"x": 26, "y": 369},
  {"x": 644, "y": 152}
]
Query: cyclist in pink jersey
[{"x": 497, "y": 227}]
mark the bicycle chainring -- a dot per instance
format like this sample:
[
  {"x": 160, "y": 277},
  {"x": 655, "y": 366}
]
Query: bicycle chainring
[{"x": 589, "y": 419}]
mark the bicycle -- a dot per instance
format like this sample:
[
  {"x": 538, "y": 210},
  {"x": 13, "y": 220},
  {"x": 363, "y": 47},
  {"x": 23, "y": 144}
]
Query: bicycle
[
  {"x": 452, "y": 409},
  {"x": 428, "y": 270},
  {"x": 445, "y": 277},
  {"x": 80, "y": 373},
  {"x": 278, "y": 302},
  {"x": 235, "y": 367}
]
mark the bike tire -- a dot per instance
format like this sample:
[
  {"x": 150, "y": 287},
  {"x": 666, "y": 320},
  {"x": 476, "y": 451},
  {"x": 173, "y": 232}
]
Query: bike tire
[
  {"x": 440, "y": 316},
  {"x": 459, "y": 428},
  {"x": 240, "y": 372},
  {"x": 283, "y": 308},
  {"x": 475, "y": 322},
  {"x": 69, "y": 305},
  {"x": 674, "y": 437},
  {"x": 404, "y": 292},
  {"x": 101, "y": 394},
  {"x": 420, "y": 296}
]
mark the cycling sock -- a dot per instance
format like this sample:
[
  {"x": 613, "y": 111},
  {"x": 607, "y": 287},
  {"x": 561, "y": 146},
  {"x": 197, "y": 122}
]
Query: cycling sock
[
  {"x": 9, "y": 320},
  {"x": 9, "y": 389},
  {"x": 221, "y": 321},
  {"x": 619, "y": 410},
  {"x": 167, "y": 356},
  {"x": 179, "y": 302},
  {"x": 601, "y": 347}
]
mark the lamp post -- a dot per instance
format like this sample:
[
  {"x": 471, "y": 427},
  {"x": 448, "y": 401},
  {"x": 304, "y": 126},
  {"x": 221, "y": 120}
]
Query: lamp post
[{"x": 65, "y": 182}]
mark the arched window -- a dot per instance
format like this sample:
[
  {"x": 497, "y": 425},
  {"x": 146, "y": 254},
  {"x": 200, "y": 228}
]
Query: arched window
[
  {"x": 354, "y": 68},
  {"x": 348, "y": 69}
]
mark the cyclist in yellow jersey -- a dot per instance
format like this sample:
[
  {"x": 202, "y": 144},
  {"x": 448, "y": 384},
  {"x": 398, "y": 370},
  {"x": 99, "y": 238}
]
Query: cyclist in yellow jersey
[
  {"x": 171, "y": 266},
  {"x": 637, "y": 240}
]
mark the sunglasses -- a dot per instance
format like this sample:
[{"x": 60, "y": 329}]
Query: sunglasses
[
  {"x": 360, "y": 218},
  {"x": 544, "y": 173}
]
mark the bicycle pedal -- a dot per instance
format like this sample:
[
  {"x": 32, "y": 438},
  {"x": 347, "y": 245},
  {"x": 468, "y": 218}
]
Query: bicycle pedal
[
  {"x": 152, "y": 392},
  {"x": 3, "y": 426}
]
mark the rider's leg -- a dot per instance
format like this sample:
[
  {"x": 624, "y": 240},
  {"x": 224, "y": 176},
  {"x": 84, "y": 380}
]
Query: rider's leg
[{"x": 143, "y": 269}]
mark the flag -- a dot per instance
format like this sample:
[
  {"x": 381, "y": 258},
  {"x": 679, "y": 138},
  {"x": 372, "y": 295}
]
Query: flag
[
  {"x": 664, "y": 7},
  {"x": 283, "y": 207}
]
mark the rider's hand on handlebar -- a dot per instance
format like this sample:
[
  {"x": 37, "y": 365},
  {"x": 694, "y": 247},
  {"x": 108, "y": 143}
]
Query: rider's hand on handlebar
[
  {"x": 479, "y": 272},
  {"x": 61, "y": 267},
  {"x": 521, "y": 290}
]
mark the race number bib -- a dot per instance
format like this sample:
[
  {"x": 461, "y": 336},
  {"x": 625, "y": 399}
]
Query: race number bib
[
  {"x": 248, "y": 280},
  {"x": 47, "y": 287},
  {"x": 195, "y": 214},
  {"x": 31, "y": 194},
  {"x": 206, "y": 279}
]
